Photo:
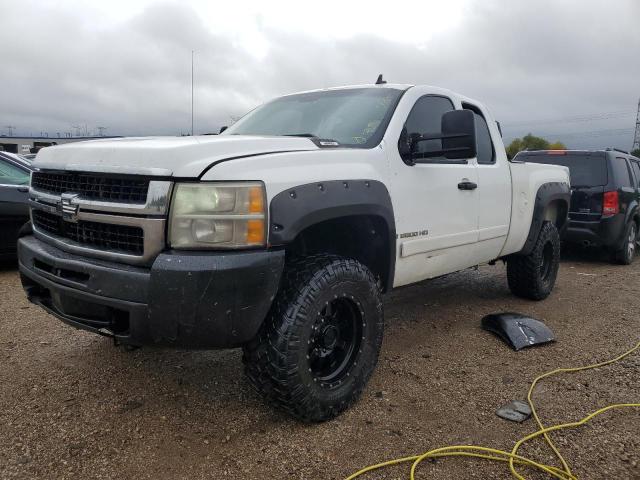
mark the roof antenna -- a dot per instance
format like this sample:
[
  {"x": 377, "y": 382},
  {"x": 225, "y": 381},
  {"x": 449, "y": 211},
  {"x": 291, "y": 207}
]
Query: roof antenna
[{"x": 380, "y": 81}]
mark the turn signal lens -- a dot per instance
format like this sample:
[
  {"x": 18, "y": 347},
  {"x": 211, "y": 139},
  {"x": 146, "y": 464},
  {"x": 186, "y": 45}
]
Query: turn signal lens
[
  {"x": 255, "y": 232},
  {"x": 610, "y": 203},
  {"x": 256, "y": 200}
]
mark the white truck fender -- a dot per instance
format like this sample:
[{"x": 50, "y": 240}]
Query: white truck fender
[{"x": 534, "y": 187}]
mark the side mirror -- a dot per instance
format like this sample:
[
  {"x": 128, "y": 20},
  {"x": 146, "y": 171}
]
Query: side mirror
[
  {"x": 222, "y": 129},
  {"x": 458, "y": 136}
]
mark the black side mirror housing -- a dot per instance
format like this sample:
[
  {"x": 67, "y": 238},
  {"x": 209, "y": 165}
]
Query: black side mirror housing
[
  {"x": 459, "y": 130},
  {"x": 458, "y": 136},
  {"x": 222, "y": 129}
]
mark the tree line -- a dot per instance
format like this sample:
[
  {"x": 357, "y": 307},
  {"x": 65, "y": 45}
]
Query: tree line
[{"x": 531, "y": 142}]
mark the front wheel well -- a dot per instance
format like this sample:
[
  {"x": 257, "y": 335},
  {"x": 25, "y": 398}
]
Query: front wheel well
[{"x": 365, "y": 238}]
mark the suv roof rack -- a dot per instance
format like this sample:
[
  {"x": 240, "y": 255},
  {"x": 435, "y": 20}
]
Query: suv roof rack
[{"x": 611, "y": 149}]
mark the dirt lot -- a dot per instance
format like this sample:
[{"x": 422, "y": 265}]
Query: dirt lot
[{"x": 73, "y": 406}]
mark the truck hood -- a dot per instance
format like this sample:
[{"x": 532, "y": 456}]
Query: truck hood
[{"x": 184, "y": 157}]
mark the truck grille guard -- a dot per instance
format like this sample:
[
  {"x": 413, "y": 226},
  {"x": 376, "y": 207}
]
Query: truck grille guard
[{"x": 115, "y": 230}]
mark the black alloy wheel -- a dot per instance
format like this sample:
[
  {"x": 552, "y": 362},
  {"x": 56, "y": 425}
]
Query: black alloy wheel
[{"x": 335, "y": 341}]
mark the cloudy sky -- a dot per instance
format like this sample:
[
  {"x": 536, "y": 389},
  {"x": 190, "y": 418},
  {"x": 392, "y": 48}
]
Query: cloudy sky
[{"x": 566, "y": 69}]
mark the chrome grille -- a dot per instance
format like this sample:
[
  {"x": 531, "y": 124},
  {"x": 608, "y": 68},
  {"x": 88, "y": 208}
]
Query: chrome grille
[
  {"x": 93, "y": 186},
  {"x": 118, "y": 238},
  {"x": 101, "y": 218}
]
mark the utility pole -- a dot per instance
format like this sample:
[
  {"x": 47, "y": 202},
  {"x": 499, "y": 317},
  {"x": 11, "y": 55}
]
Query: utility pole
[
  {"x": 636, "y": 140},
  {"x": 101, "y": 131},
  {"x": 10, "y": 129},
  {"x": 192, "y": 93}
]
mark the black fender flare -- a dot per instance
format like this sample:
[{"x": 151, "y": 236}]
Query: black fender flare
[
  {"x": 547, "y": 193},
  {"x": 296, "y": 208}
]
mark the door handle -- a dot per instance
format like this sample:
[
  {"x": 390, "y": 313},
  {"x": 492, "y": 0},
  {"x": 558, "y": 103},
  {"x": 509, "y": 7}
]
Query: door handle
[
  {"x": 23, "y": 189},
  {"x": 467, "y": 185}
]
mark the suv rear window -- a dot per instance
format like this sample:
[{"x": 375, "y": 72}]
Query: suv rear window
[{"x": 584, "y": 170}]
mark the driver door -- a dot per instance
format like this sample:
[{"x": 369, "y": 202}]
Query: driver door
[{"x": 435, "y": 203}]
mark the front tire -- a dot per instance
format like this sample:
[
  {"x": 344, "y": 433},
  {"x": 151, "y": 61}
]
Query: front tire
[
  {"x": 625, "y": 255},
  {"x": 320, "y": 342},
  {"x": 533, "y": 276}
]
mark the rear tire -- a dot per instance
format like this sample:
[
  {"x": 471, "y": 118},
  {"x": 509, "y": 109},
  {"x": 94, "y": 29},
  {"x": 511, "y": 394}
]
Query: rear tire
[
  {"x": 627, "y": 252},
  {"x": 533, "y": 276},
  {"x": 320, "y": 342}
]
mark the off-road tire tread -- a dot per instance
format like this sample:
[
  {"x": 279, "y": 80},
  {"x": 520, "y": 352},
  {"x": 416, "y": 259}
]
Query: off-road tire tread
[
  {"x": 265, "y": 357},
  {"x": 523, "y": 271}
]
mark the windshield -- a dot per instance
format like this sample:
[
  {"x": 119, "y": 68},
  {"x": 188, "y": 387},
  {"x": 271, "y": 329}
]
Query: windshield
[
  {"x": 355, "y": 117},
  {"x": 11, "y": 174},
  {"x": 21, "y": 159},
  {"x": 585, "y": 170}
]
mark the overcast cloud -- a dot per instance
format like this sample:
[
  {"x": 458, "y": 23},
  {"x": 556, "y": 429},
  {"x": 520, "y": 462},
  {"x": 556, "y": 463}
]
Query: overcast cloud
[{"x": 542, "y": 66}]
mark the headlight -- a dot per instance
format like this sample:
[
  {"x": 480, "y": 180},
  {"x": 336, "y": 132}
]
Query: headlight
[{"x": 218, "y": 215}]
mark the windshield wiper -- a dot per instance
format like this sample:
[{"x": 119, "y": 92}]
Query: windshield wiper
[
  {"x": 321, "y": 142},
  {"x": 307, "y": 135}
]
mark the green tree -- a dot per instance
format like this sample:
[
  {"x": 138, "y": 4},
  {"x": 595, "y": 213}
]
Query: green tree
[
  {"x": 557, "y": 146},
  {"x": 636, "y": 153},
  {"x": 531, "y": 142}
]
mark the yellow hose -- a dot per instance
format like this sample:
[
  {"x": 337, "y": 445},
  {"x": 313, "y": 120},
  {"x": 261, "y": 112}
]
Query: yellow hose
[{"x": 512, "y": 458}]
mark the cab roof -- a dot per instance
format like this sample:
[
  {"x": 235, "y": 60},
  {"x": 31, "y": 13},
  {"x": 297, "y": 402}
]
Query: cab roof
[{"x": 395, "y": 86}]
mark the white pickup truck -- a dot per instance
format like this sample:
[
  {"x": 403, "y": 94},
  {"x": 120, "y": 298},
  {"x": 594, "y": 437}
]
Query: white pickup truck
[{"x": 281, "y": 234}]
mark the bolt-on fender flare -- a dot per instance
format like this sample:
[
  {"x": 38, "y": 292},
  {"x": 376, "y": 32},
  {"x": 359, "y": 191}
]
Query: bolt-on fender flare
[
  {"x": 547, "y": 193},
  {"x": 296, "y": 208}
]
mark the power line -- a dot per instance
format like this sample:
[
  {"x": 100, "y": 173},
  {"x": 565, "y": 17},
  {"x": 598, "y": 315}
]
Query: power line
[
  {"x": 574, "y": 119},
  {"x": 589, "y": 134}
]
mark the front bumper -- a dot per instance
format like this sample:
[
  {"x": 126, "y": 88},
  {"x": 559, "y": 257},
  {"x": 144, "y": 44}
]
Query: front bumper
[
  {"x": 186, "y": 299},
  {"x": 605, "y": 232}
]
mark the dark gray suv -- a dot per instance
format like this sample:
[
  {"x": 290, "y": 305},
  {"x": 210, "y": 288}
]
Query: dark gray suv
[{"x": 604, "y": 198}]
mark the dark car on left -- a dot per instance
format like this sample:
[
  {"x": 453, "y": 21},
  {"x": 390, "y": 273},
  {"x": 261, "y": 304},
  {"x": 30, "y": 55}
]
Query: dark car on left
[{"x": 14, "y": 197}]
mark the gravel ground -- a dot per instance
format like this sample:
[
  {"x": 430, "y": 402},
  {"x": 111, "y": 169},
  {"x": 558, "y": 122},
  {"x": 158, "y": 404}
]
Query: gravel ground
[{"x": 73, "y": 406}]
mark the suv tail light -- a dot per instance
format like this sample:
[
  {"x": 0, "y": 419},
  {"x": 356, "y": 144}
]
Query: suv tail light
[{"x": 610, "y": 204}]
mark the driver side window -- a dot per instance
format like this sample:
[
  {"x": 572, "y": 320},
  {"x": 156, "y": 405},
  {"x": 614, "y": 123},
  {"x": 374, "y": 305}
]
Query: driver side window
[{"x": 425, "y": 117}]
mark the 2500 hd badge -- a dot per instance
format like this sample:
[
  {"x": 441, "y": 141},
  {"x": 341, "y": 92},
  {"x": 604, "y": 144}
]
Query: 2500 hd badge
[{"x": 414, "y": 234}]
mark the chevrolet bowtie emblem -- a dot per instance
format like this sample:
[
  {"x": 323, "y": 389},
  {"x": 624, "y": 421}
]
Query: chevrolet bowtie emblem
[{"x": 68, "y": 207}]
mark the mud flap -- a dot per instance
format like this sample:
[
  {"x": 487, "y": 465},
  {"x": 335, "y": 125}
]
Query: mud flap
[{"x": 518, "y": 330}]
